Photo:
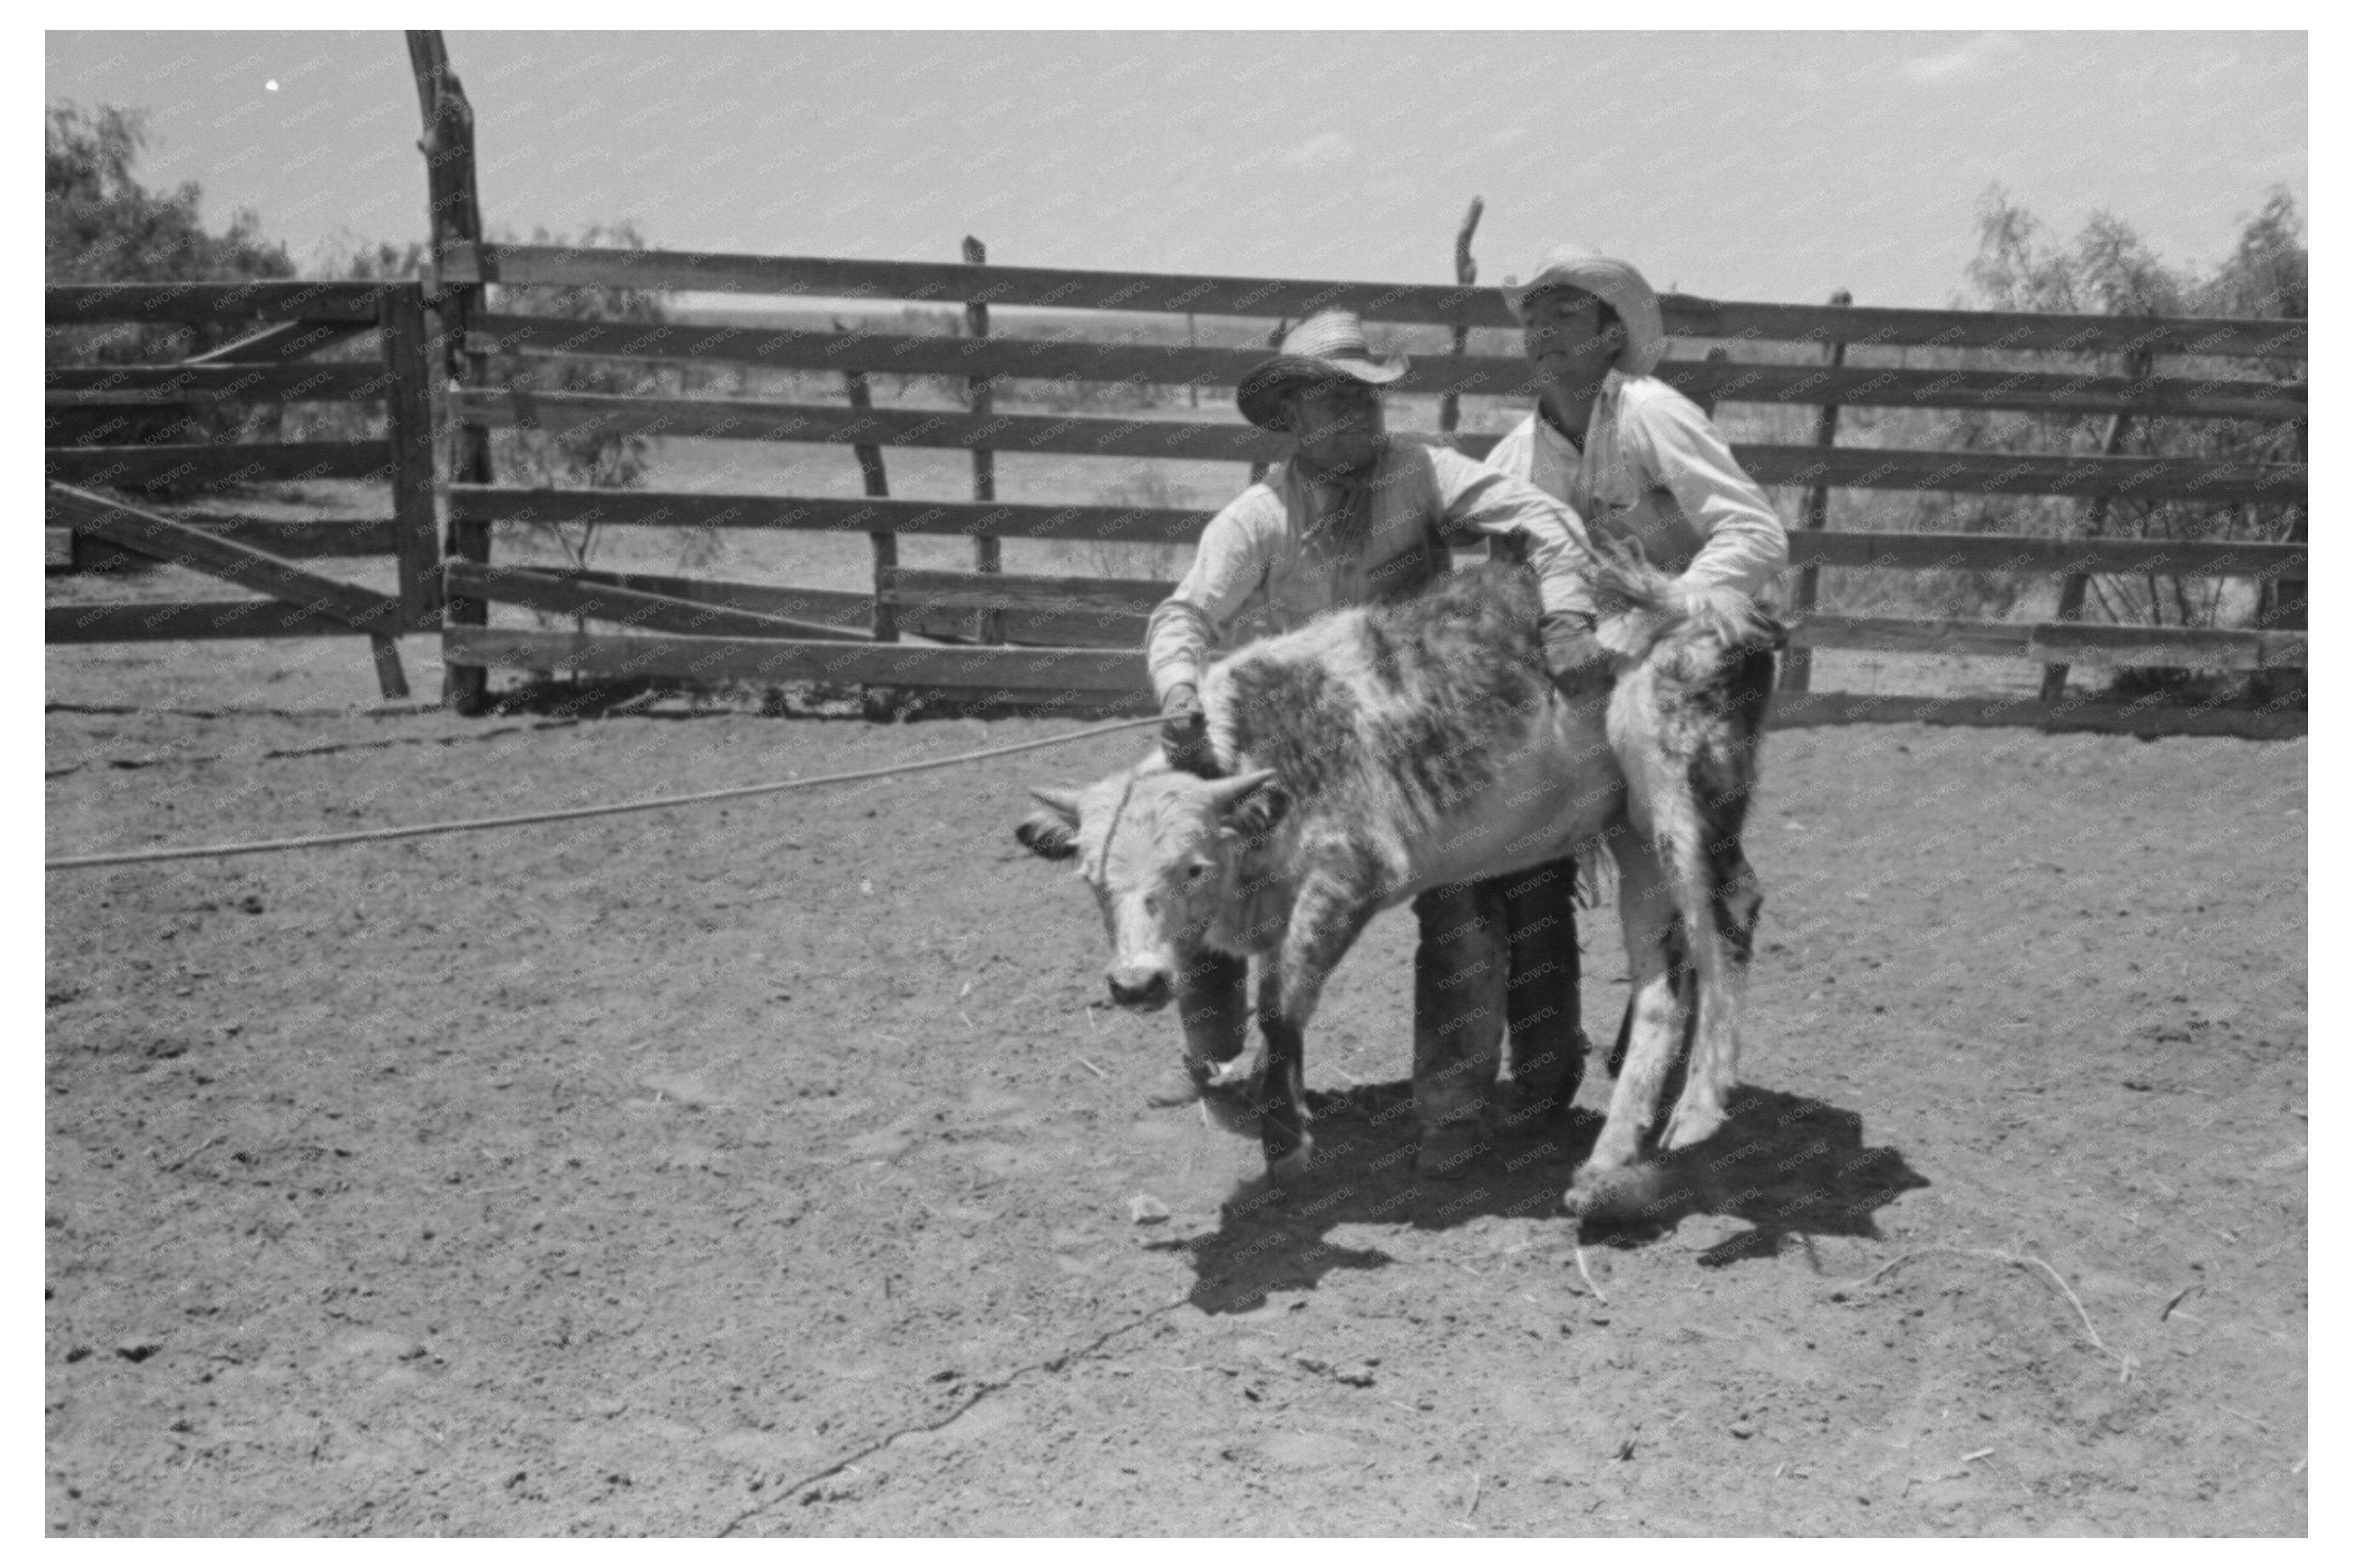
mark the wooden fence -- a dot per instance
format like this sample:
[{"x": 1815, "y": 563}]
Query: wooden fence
[
  {"x": 91, "y": 532},
  {"x": 1072, "y": 635}
]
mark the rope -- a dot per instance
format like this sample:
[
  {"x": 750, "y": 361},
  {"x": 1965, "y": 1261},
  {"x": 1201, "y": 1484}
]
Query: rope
[{"x": 379, "y": 834}]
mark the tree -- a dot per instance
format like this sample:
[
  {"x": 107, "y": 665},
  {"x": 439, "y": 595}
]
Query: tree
[
  {"x": 100, "y": 225},
  {"x": 2109, "y": 269}
]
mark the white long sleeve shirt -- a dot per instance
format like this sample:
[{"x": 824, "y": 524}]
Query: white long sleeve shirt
[
  {"x": 1287, "y": 549},
  {"x": 1656, "y": 469}
]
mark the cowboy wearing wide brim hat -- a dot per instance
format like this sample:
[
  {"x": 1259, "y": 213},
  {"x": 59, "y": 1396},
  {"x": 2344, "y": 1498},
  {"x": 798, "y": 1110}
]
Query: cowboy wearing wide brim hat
[
  {"x": 1350, "y": 518},
  {"x": 1635, "y": 457},
  {"x": 1638, "y": 460},
  {"x": 1322, "y": 351}
]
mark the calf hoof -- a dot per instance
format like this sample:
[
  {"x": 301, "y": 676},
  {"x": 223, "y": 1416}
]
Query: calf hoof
[
  {"x": 1291, "y": 1171},
  {"x": 1617, "y": 1195},
  {"x": 1689, "y": 1125},
  {"x": 1230, "y": 1100},
  {"x": 1446, "y": 1153}
]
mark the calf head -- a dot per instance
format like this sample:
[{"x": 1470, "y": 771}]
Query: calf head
[{"x": 1160, "y": 849}]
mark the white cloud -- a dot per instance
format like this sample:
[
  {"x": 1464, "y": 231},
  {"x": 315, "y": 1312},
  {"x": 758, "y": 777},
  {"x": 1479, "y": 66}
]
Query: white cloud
[
  {"x": 1981, "y": 56},
  {"x": 1323, "y": 150}
]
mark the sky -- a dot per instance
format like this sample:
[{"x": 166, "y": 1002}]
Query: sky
[{"x": 1741, "y": 165}]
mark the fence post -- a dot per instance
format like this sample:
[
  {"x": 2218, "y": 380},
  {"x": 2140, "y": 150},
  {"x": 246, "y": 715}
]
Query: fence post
[
  {"x": 409, "y": 429},
  {"x": 877, "y": 485},
  {"x": 987, "y": 555},
  {"x": 1798, "y": 664},
  {"x": 2095, "y": 522},
  {"x": 1466, "y": 272},
  {"x": 2280, "y": 602},
  {"x": 456, "y": 215}
]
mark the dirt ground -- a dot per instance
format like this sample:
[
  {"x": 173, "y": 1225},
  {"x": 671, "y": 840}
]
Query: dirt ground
[{"x": 768, "y": 1169}]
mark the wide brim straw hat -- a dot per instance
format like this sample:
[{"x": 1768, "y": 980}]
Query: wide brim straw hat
[
  {"x": 1616, "y": 283},
  {"x": 1322, "y": 349}
]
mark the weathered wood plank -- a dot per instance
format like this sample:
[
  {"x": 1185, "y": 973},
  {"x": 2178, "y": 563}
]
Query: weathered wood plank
[
  {"x": 557, "y": 594},
  {"x": 1976, "y": 473},
  {"x": 2078, "y": 642},
  {"x": 272, "y": 299},
  {"x": 2013, "y": 553},
  {"x": 148, "y": 385},
  {"x": 739, "y": 419},
  {"x": 2003, "y": 473},
  {"x": 1062, "y": 289},
  {"x": 155, "y": 536},
  {"x": 217, "y": 468},
  {"x": 679, "y": 508},
  {"x": 1068, "y": 357},
  {"x": 1148, "y": 525},
  {"x": 1127, "y": 597},
  {"x": 1799, "y": 709},
  {"x": 326, "y": 538},
  {"x": 1010, "y": 669},
  {"x": 189, "y": 621},
  {"x": 831, "y": 609},
  {"x": 409, "y": 436}
]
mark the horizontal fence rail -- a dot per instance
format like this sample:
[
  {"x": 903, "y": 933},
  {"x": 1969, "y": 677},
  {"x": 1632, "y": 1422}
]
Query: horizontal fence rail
[
  {"x": 223, "y": 466},
  {"x": 1066, "y": 359},
  {"x": 1686, "y": 315},
  {"x": 275, "y": 299},
  {"x": 1147, "y": 525},
  {"x": 1863, "y": 467},
  {"x": 146, "y": 385}
]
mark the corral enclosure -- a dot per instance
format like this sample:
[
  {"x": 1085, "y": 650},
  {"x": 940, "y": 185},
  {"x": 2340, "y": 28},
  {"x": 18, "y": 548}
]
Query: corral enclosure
[{"x": 771, "y": 1169}]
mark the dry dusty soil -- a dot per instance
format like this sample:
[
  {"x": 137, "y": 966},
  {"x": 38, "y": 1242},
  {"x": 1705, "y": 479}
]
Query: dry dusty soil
[{"x": 768, "y": 1169}]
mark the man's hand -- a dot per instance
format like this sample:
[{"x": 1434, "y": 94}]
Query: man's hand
[
  {"x": 1185, "y": 730},
  {"x": 1579, "y": 665}
]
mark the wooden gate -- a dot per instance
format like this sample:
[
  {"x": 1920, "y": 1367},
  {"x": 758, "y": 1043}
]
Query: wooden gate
[{"x": 90, "y": 531}]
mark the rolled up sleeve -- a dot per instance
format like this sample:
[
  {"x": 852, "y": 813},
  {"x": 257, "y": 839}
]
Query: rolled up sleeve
[
  {"x": 1228, "y": 567},
  {"x": 1475, "y": 502},
  {"x": 1743, "y": 543}
]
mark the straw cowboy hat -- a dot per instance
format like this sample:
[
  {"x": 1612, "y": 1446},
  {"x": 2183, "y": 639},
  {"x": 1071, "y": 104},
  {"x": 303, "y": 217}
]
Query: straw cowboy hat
[
  {"x": 1616, "y": 284},
  {"x": 1322, "y": 349}
]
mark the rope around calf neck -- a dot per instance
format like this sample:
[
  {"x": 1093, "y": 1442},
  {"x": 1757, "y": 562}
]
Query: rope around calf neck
[{"x": 379, "y": 834}]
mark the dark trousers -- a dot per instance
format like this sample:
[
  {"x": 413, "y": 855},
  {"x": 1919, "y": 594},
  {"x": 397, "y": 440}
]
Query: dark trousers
[{"x": 1495, "y": 954}]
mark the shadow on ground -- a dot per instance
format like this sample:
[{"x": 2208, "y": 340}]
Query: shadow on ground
[{"x": 1789, "y": 1166}]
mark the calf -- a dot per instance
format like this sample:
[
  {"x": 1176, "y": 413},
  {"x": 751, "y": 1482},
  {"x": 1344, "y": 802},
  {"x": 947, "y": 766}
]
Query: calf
[{"x": 1384, "y": 751}]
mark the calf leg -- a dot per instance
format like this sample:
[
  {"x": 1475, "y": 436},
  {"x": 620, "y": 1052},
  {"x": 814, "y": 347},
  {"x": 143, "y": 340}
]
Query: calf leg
[
  {"x": 1213, "y": 1006},
  {"x": 1459, "y": 974},
  {"x": 1326, "y": 920},
  {"x": 1720, "y": 956},
  {"x": 1646, "y": 911}
]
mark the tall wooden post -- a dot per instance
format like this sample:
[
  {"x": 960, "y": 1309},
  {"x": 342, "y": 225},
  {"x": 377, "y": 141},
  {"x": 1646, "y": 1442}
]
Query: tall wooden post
[
  {"x": 987, "y": 555},
  {"x": 878, "y": 484},
  {"x": 455, "y": 211},
  {"x": 409, "y": 429},
  {"x": 2096, "y": 523},
  {"x": 1466, "y": 272},
  {"x": 1798, "y": 664},
  {"x": 2280, "y": 602}
]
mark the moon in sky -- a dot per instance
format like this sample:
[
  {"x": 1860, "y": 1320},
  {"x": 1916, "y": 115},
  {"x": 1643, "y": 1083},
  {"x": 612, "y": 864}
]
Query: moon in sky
[{"x": 270, "y": 86}]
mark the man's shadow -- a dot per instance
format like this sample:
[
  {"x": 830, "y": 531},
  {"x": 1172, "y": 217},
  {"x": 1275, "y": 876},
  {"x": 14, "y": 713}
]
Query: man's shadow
[{"x": 1788, "y": 1165}]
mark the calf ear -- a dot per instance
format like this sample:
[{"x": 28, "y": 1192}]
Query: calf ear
[{"x": 1048, "y": 836}]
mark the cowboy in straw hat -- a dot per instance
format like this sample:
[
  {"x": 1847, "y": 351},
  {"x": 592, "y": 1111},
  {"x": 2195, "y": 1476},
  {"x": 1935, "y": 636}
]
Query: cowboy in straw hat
[
  {"x": 1637, "y": 459},
  {"x": 1354, "y": 517}
]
